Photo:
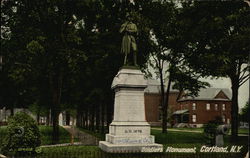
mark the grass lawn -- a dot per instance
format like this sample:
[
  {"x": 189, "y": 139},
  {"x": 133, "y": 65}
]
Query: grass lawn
[
  {"x": 243, "y": 131},
  {"x": 179, "y": 139},
  {"x": 101, "y": 136},
  {"x": 46, "y": 134},
  {"x": 240, "y": 130},
  {"x": 173, "y": 137}
]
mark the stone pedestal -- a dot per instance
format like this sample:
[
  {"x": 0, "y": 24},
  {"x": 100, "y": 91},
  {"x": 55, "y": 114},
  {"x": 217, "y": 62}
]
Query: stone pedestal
[{"x": 129, "y": 131}]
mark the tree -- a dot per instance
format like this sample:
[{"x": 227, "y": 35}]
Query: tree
[
  {"x": 167, "y": 59},
  {"x": 49, "y": 50},
  {"x": 214, "y": 37},
  {"x": 245, "y": 113}
]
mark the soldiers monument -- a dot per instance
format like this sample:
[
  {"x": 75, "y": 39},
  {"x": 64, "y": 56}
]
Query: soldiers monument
[{"x": 129, "y": 131}]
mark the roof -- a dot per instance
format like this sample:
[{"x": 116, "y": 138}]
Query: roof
[
  {"x": 210, "y": 94},
  {"x": 180, "y": 112},
  {"x": 154, "y": 86}
]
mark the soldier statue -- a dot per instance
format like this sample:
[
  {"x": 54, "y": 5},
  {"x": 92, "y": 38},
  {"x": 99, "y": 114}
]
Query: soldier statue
[{"x": 129, "y": 31}]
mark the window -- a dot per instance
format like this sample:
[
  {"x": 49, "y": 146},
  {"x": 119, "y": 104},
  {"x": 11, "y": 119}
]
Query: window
[
  {"x": 194, "y": 118},
  {"x": 194, "y": 106},
  {"x": 216, "y": 107},
  {"x": 208, "y": 106},
  {"x": 223, "y": 118},
  {"x": 223, "y": 107}
]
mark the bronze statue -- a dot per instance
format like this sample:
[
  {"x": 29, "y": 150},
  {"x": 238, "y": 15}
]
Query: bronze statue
[{"x": 129, "y": 30}]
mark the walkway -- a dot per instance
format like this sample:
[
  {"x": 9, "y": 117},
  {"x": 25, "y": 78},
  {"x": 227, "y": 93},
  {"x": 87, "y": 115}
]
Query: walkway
[{"x": 84, "y": 138}]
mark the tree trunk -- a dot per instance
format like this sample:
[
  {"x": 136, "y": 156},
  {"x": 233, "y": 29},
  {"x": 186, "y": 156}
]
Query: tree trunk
[
  {"x": 163, "y": 107},
  {"x": 38, "y": 115},
  {"x": 55, "y": 117},
  {"x": 48, "y": 118},
  {"x": 56, "y": 84},
  {"x": 234, "y": 108},
  {"x": 102, "y": 118},
  {"x": 97, "y": 118},
  {"x": 85, "y": 119},
  {"x": 92, "y": 122},
  {"x": 67, "y": 118},
  {"x": 78, "y": 117},
  {"x": 12, "y": 111},
  {"x": 166, "y": 101},
  {"x": 109, "y": 112}
]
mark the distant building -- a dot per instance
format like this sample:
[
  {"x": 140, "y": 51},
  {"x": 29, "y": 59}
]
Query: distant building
[
  {"x": 211, "y": 103},
  {"x": 153, "y": 102}
]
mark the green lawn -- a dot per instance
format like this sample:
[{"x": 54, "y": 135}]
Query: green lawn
[
  {"x": 95, "y": 134},
  {"x": 243, "y": 131},
  {"x": 180, "y": 139},
  {"x": 46, "y": 134},
  {"x": 240, "y": 130},
  {"x": 173, "y": 137}
]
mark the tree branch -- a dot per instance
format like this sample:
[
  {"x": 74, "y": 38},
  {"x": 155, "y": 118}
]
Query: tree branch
[
  {"x": 244, "y": 79},
  {"x": 244, "y": 71}
]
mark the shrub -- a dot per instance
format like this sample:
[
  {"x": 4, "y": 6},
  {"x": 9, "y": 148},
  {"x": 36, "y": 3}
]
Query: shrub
[
  {"x": 210, "y": 130},
  {"x": 22, "y": 134}
]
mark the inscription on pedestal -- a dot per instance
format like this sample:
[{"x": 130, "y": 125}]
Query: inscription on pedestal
[
  {"x": 132, "y": 131},
  {"x": 134, "y": 141}
]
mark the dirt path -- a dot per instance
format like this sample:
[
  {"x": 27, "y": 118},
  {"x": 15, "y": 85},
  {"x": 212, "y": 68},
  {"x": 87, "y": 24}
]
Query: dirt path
[{"x": 84, "y": 138}]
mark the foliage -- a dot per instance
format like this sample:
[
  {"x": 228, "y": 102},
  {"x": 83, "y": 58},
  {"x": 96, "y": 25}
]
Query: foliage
[
  {"x": 210, "y": 130},
  {"x": 63, "y": 55},
  {"x": 213, "y": 37},
  {"x": 165, "y": 57},
  {"x": 22, "y": 133},
  {"x": 245, "y": 113}
]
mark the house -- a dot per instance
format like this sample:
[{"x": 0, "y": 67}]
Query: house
[{"x": 211, "y": 103}]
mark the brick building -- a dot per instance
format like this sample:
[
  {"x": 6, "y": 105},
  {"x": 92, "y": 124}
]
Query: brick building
[
  {"x": 153, "y": 101},
  {"x": 193, "y": 111}
]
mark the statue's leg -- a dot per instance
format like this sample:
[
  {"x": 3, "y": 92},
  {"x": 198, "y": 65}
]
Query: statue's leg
[
  {"x": 125, "y": 59},
  {"x": 135, "y": 58}
]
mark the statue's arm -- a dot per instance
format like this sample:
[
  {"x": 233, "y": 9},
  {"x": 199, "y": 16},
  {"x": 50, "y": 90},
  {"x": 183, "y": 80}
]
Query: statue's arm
[
  {"x": 133, "y": 29},
  {"x": 123, "y": 27}
]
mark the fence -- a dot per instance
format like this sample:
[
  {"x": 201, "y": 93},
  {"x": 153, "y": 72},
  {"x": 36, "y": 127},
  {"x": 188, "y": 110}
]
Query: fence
[{"x": 101, "y": 154}]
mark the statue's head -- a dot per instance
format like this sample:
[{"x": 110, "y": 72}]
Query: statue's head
[{"x": 128, "y": 17}]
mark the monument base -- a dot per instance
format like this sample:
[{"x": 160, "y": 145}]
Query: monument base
[
  {"x": 124, "y": 148},
  {"x": 129, "y": 130}
]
